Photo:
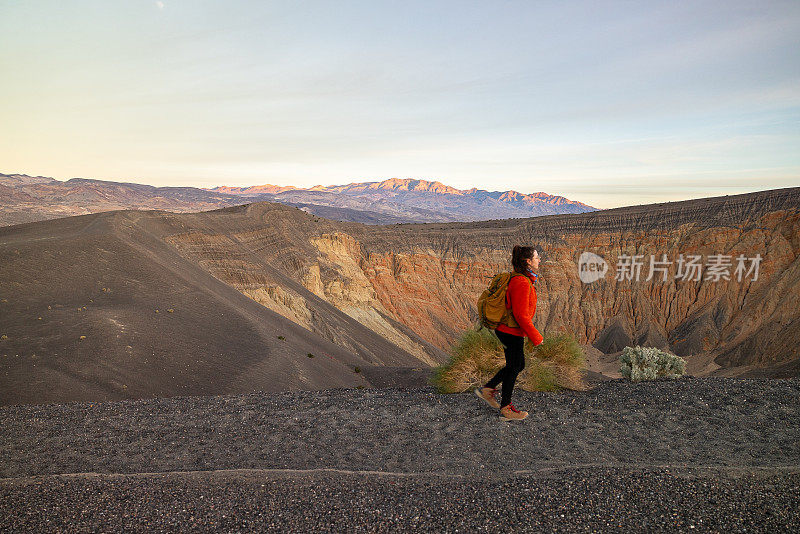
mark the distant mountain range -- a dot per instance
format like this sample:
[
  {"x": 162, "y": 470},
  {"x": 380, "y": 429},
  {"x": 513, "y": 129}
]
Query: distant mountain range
[
  {"x": 26, "y": 198},
  {"x": 418, "y": 200}
]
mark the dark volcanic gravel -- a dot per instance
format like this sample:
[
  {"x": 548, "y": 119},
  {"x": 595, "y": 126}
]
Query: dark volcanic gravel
[
  {"x": 707, "y": 454},
  {"x": 572, "y": 500}
]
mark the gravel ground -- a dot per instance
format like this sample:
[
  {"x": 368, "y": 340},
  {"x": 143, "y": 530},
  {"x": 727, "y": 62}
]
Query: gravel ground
[
  {"x": 709, "y": 454},
  {"x": 570, "y": 500}
]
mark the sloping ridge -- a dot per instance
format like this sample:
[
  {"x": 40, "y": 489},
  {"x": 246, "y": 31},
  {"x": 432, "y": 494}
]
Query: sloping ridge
[
  {"x": 99, "y": 307},
  {"x": 729, "y": 210},
  {"x": 704, "y": 212}
]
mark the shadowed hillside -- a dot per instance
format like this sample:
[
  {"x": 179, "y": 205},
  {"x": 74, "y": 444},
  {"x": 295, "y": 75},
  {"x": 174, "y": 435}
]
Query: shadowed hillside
[{"x": 99, "y": 307}]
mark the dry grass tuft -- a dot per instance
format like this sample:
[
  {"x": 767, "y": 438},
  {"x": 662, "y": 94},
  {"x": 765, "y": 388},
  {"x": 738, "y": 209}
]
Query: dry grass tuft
[
  {"x": 557, "y": 363},
  {"x": 473, "y": 361},
  {"x": 537, "y": 376},
  {"x": 564, "y": 356}
]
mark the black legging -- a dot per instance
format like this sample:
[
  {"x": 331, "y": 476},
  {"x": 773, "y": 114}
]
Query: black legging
[{"x": 515, "y": 363}]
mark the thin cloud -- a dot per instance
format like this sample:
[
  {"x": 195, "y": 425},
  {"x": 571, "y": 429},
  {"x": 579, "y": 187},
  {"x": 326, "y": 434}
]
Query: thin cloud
[{"x": 160, "y": 5}]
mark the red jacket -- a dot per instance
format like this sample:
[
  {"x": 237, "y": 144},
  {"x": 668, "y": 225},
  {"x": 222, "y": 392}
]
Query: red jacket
[{"x": 521, "y": 298}]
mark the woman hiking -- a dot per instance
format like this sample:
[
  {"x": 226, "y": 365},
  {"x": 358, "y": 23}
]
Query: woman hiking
[{"x": 521, "y": 298}]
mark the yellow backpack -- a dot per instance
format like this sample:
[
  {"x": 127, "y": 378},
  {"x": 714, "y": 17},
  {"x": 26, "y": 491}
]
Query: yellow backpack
[{"x": 492, "y": 309}]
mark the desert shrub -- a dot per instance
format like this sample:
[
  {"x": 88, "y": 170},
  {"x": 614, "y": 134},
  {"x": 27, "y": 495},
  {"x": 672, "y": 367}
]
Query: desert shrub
[
  {"x": 563, "y": 357},
  {"x": 474, "y": 359},
  {"x": 648, "y": 363},
  {"x": 556, "y": 363},
  {"x": 537, "y": 376}
]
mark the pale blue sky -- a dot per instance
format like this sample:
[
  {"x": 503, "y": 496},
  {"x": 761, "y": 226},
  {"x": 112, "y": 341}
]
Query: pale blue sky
[{"x": 608, "y": 103}]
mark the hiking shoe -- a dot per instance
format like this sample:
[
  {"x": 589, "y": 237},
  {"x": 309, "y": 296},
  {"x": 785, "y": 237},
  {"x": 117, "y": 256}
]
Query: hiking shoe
[
  {"x": 487, "y": 394},
  {"x": 509, "y": 413}
]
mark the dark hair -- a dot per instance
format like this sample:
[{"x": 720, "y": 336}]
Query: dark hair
[{"x": 518, "y": 257}]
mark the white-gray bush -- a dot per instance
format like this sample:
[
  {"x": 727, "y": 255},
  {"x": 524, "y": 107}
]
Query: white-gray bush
[{"x": 648, "y": 363}]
